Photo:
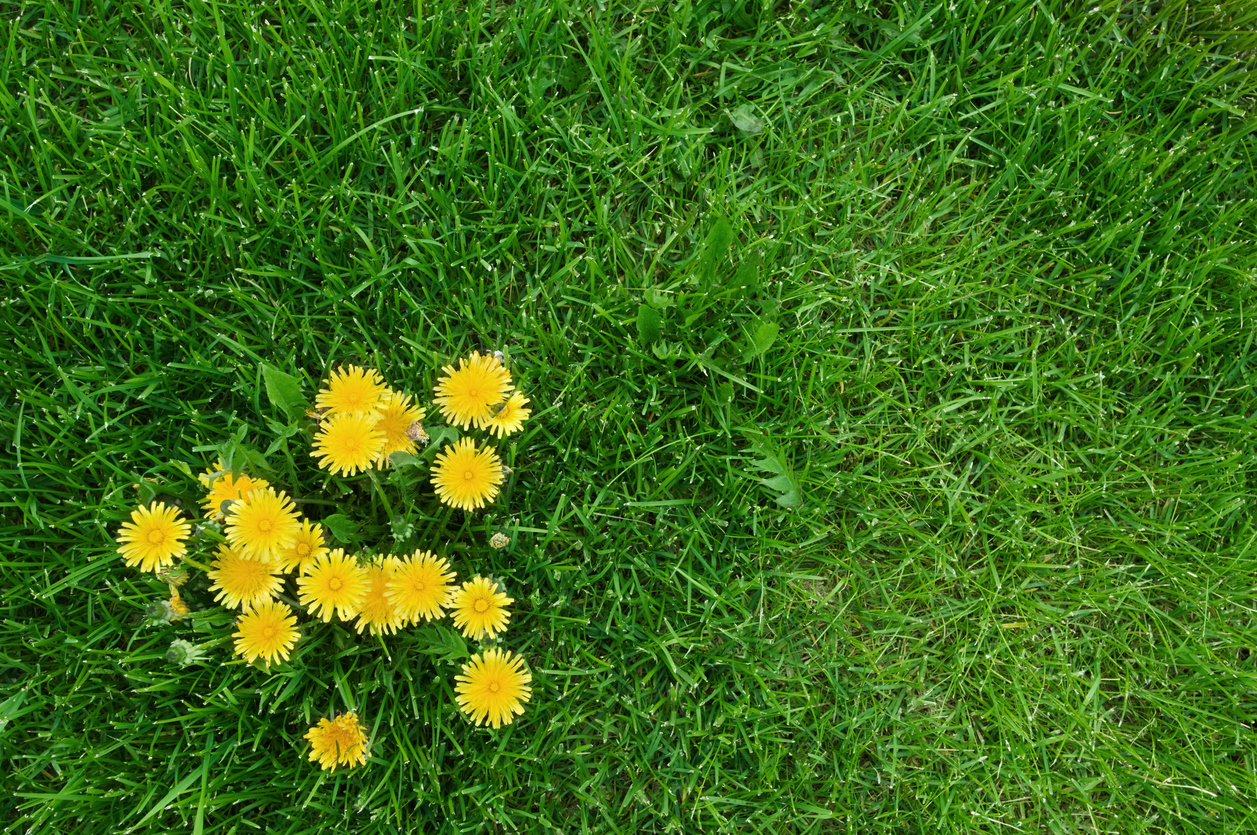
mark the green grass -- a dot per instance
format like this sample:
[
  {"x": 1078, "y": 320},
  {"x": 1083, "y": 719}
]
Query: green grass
[{"x": 1009, "y": 255}]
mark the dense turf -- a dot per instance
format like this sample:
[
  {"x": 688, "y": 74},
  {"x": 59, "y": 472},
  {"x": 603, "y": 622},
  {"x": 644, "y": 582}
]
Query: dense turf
[{"x": 917, "y": 500}]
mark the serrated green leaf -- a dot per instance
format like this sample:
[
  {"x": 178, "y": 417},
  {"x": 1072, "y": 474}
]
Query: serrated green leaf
[
  {"x": 342, "y": 527},
  {"x": 441, "y": 641},
  {"x": 649, "y": 324},
  {"x": 284, "y": 391},
  {"x": 658, "y": 299}
]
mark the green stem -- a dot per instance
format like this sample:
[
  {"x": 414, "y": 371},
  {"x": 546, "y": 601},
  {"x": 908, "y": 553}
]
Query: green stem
[{"x": 379, "y": 491}]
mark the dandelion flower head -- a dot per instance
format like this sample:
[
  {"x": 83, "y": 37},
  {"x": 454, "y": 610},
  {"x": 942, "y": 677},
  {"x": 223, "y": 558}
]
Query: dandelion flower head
[
  {"x": 466, "y": 477},
  {"x": 339, "y": 741},
  {"x": 334, "y": 583},
  {"x": 305, "y": 549},
  {"x": 421, "y": 586},
  {"x": 351, "y": 389},
  {"x": 268, "y": 631},
  {"x": 153, "y": 539},
  {"x": 466, "y": 396},
  {"x": 480, "y": 609},
  {"x": 263, "y": 525},
  {"x": 242, "y": 583},
  {"x": 493, "y": 686},
  {"x": 377, "y": 610},
  {"x": 225, "y": 487},
  {"x": 397, "y": 415},
  {"x": 510, "y": 418},
  {"x": 348, "y": 443}
]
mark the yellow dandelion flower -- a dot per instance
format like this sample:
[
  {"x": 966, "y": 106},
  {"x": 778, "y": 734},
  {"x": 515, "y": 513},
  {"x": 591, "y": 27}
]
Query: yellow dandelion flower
[
  {"x": 397, "y": 415},
  {"x": 420, "y": 586},
  {"x": 263, "y": 525},
  {"x": 347, "y": 443},
  {"x": 465, "y": 476},
  {"x": 377, "y": 610},
  {"x": 268, "y": 632},
  {"x": 351, "y": 389},
  {"x": 339, "y": 741},
  {"x": 178, "y": 608},
  {"x": 334, "y": 582},
  {"x": 153, "y": 538},
  {"x": 492, "y": 687},
  {"x": 479, "y": 609},
  {"x": 510, "y": 417},
  {"x": 225, "y": 487},
  {"x": 242, "y": 583},
  {"x": 305, "y": 549},
  {"x": 467, "y": 395}
]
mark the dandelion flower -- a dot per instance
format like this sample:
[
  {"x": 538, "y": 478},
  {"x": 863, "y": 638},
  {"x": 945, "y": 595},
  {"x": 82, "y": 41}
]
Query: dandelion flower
[
  {"x": 339, "y": 741},
  {"x": 263, "y": 525},
  {"x": 510, "y": 417},
  {"x": 351, "y": 389},
  {"x": 377, "y": 610},
  {"x": 492, "y": 687},
  {"x": 347, "y": 443},
  {"x": 467, "y": 395},
  {"x": 479, "y": 609},
  {"x": 397, "y": 415},
  {"x": 305, "y": 549},
  {"x": 225, "y": 487},
  {"x": 268, "y": 632},
  {"x": 420, "y": 586},
  {"x": 467, "y": 477},
  {"x": 153, "y": 538},
  {"x": 242, "y": 583},
  {"x": 334, "y": 581},
  {"x": 177, "y": 607}
]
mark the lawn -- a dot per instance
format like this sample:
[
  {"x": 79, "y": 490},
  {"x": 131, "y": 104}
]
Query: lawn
[{"x": 893, "y": 452}]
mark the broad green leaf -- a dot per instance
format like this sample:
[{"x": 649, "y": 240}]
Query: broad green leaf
[
  {"x": 441, "y": 641},
  {"x": 342, "y": 527},
  {"x": 744, "y": 121},
  {"x": 649, "y": 324},
  {"x": 284, "y": 391},
  {"x": 719, "y": 239},
  {"x": 762, "y": 338}
]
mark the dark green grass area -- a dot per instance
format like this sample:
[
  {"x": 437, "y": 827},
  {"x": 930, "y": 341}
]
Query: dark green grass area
[{"x": 920, "y": 501}]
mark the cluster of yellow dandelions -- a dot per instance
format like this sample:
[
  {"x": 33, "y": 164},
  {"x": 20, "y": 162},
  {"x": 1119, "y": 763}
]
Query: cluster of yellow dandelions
[{"x": 361, "y": 423}]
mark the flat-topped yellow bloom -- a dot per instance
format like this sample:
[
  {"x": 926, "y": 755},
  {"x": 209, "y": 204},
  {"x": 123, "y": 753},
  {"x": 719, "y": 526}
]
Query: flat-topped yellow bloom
[
  {"x": 339, "y": 741},
  {"x": 153, "y": 539},
  {"x": 224, "y": 487},
  {"x": 242, "y": 583},
  {"x": 397, "y": 415},
  {"x": 466, "y": 477},
  {"x": 305, "y": 549},
  {"x": 348, "y": 443},
  {"x": 336, "y": 583},
  {"x": 268, "y": 632},
  {"x": 493, "y": 687},
  {"x": 466, "y": 396},
  {"x": 420, "y": 586},
  {"x": 510, "y": 417},
  {"x": 480, "y": 609},
  {"x": 263, "y": 525},
  {"x": 377, "y": 610},
  {"x": 351, "y": 389}
]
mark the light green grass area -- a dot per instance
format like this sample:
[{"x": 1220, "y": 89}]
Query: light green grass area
[{"x": 919, "y": 499}]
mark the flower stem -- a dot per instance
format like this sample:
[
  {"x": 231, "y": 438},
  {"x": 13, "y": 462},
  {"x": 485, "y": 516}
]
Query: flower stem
[{"x": 379, "y": 491}]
